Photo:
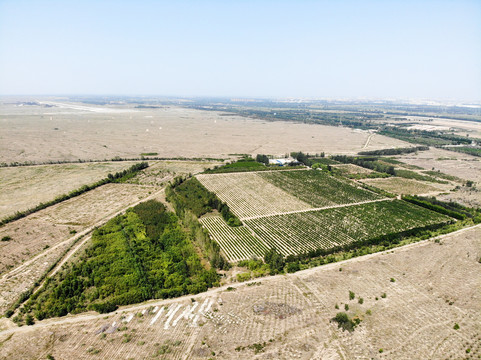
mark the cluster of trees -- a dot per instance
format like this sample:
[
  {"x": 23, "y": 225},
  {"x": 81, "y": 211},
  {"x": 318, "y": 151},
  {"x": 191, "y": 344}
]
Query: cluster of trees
[
  {"x": 117, "y": 177},
  {"x": 141, "y": 255},
  {"x": 245, "y": 164},
  {"x": 433, "y": 138},
  {"x": 261, "y": 158},
  {"x": 366, "y": 162},
  {"x": 190, "y": 194},
  {"x": 345, "y": 322},
  {"x": 396, "y": 151},
  {"x": 451, "y": 208}
]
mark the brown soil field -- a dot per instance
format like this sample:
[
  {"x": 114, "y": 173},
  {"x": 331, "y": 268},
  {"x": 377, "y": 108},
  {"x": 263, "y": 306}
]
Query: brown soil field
[
  {"x": 398, "y": 185},
  {"x": 449, "y": 162},
  {"x": 429, "y": 287},
  {"x": 76, "y": 131},
  {"x": 24, "y": 187}
]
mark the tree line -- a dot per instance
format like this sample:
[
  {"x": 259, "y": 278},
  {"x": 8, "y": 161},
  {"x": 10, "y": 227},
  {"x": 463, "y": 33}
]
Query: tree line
[{"x": 111, "y": 178}]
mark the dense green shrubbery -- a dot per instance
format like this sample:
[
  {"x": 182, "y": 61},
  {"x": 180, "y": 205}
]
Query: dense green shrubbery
[
  {"x": 193, "y": 196},
  {"x": 245, "y": 164},
  {"x": 141, "y": 255},
  {"x": 345, "y": 322},
  {"x": 396, "y": 151},
  {"x": 366, "y": 162},
  {"x": 451, "y": 208}
]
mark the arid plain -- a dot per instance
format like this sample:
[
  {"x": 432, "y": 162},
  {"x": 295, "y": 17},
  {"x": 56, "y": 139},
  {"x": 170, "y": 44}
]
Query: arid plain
[{"x": 436, "y": 282}]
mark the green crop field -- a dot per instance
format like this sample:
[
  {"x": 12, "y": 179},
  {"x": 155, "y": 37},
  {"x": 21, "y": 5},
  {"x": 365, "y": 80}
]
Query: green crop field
[
  {"x": 237, "y": 242},
  {"x": 301, "y": 232},
  {"x": 318, "y": 188}
]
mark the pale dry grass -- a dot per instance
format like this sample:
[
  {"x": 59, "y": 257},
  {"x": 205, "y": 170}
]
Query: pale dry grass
[
  {"x": 161, "y": 172},
  {"x": 465, "y": 166},
  {"x": 470, "y": 197},
  {"x": 436, "y": 285},
  {"x": 48, "y": 227},
  {"x": 402, "y": 186},
  {"x": 169, "y": 131},
  {"x": 25, "y": 187},
  {"x": 352, "y": 169}
]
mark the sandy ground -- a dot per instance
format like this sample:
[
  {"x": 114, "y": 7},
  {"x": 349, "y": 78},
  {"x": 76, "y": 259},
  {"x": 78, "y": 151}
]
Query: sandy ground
[
  {"x": 466, "y": 196},
  {"x": 24, "y": 187},
  {"x": 449, "y": 162},
  {"x": 469, "y": 128},
  {"x": 35, "y": 133},
  {"x": 436, "y": 285}
]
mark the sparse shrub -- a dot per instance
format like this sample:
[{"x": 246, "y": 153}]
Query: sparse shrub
[
  {"x": 93, "y": 351},
  {"x": 164, "y": 349},
  {"x": 456, "y": 326},
  {"x": 336, "y": 306},
  {"x": 368, "y": 312},
  {"x": 361, "y": 300},
  {"x": 468, "y": 351},
  {"x": 383, "y": 295},
  {"x": 351, "y": 295},
  {"x": 393, "y": 280},
  {"x": 381, "y": 351},
  {"x": 6, "y": 238},
  {"x": 50, "y": 357},
  {"x": 346, "y": 307}
]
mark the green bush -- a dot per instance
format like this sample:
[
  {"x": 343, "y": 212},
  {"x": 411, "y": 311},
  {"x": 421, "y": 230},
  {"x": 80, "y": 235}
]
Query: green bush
[{"x": 345, "y": 322}]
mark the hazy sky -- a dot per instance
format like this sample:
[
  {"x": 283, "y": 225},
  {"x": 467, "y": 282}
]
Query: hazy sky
[{"x": 383, "y": 49}]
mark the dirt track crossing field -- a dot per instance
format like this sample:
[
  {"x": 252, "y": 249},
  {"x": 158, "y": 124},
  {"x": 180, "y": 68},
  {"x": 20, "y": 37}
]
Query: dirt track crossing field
[{"x": 285, "y": 317}]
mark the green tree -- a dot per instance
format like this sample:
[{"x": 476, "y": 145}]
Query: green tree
[{"x": 275, "y": 260}]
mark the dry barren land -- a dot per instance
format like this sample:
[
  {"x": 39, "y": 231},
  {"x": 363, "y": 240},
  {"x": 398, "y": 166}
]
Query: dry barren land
[
  {"x": 26, "y": 186},
  {"x": 76, "y": 131},
  {"x": 429, "y": 287}
]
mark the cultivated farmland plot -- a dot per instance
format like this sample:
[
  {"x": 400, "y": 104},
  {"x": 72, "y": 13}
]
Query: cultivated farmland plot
[
  {"x": 318, "y": 188},
  {"x": 249, "y": 194},
  {"x": 399, "y": 185},
  {"x": 352, "y": 169},
  {"x": 300, "y": 232},
  {"x": 237, "y": 243},
  {"x": 303, "y": 210}
]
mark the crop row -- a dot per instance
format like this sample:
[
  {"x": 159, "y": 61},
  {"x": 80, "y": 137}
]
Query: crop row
[
  {"x": 318, "y": 188},
  {"x": 236, "y": 242},
  {"x": 300, "y": 232},
  {"x": 248, "y": 194}
]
